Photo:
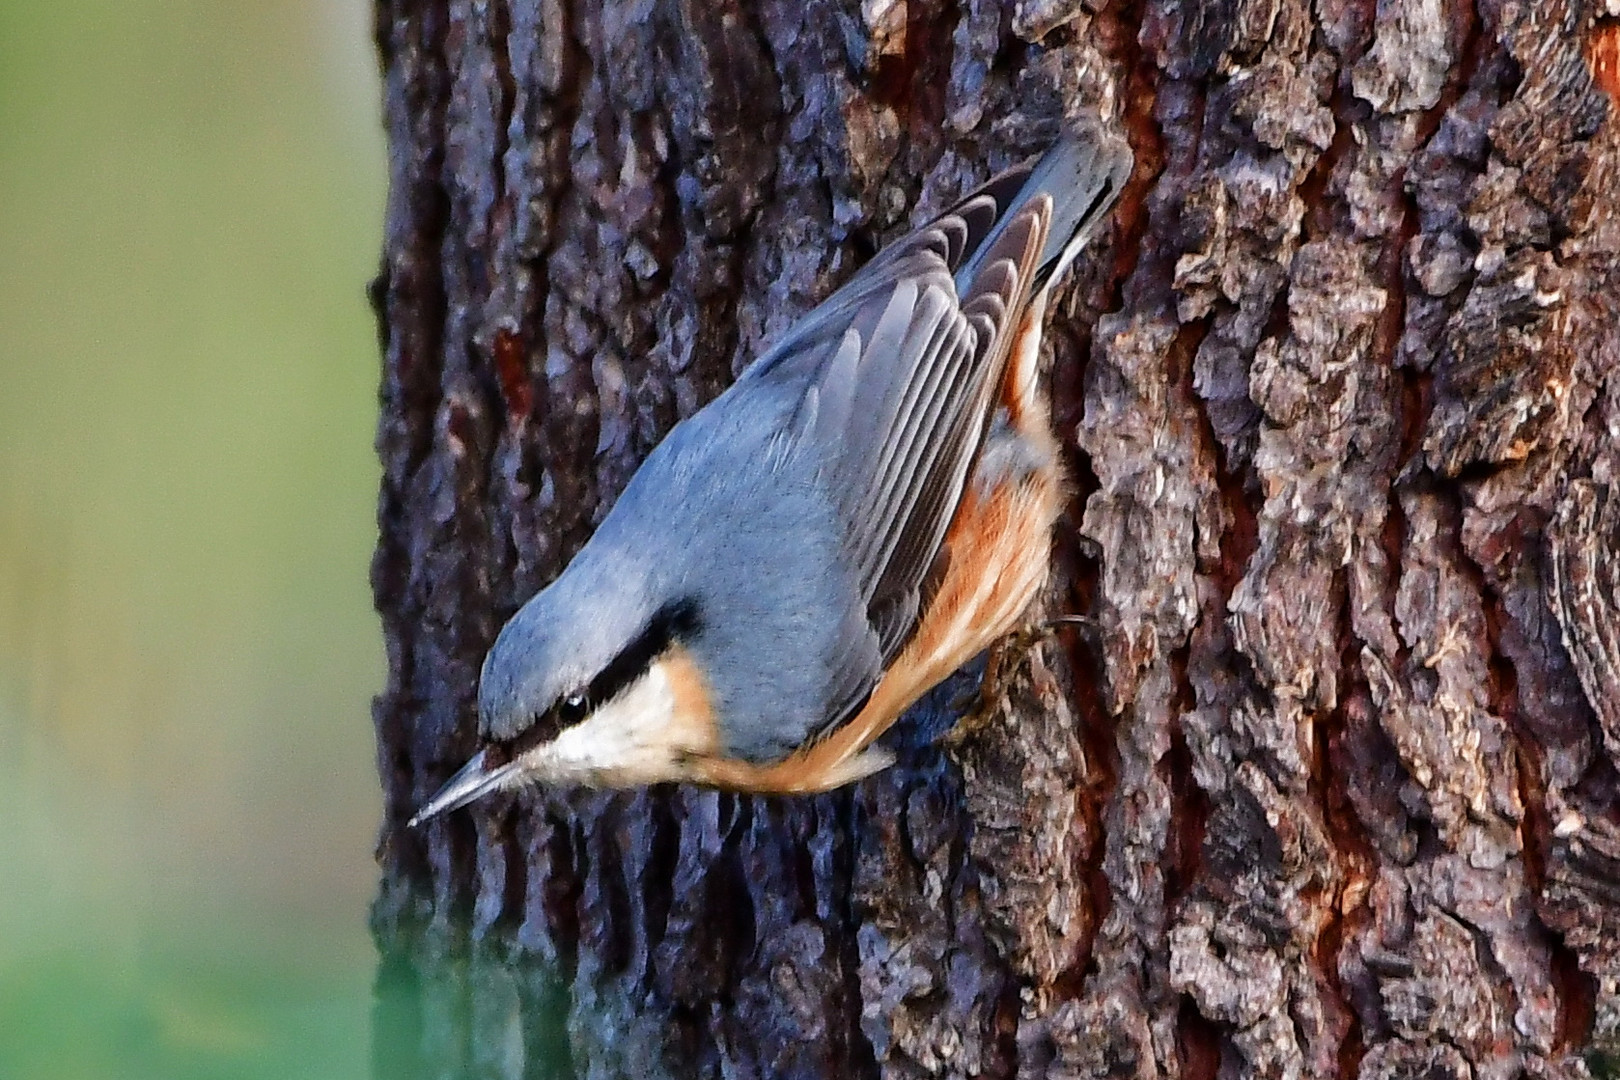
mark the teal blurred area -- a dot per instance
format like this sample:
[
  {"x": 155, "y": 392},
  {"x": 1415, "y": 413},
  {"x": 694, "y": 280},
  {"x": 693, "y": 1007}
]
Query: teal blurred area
[{"x": 190, "y": 206}]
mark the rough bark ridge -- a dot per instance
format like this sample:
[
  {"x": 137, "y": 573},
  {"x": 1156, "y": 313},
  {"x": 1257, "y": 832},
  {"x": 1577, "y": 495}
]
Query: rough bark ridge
[{"x": 1340, "y": 797}]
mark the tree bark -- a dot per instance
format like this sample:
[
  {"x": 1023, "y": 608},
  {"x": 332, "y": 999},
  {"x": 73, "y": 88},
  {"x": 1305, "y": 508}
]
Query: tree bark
[{"x": 1331, "y": 792}]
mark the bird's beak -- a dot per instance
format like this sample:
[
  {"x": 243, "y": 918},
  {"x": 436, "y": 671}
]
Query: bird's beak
[{"x": 476, "y": 778}]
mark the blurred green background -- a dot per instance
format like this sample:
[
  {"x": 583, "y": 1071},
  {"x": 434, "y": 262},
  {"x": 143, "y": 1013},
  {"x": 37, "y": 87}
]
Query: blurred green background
[{"x": 190, "y": 205}]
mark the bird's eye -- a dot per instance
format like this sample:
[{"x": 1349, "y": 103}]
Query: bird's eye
[{"x": 571, "y": 710}]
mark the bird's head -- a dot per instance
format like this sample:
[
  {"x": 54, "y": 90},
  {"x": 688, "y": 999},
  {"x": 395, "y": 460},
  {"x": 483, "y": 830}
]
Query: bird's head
[{"x": 592, "y": 682}]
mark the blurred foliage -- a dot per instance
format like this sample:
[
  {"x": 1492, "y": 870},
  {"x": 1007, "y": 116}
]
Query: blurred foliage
[{"x": 190, "y": 206}]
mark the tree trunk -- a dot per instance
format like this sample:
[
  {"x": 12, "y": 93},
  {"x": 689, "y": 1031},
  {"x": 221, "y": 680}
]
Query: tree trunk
[{"x": 1332, "y": 790}]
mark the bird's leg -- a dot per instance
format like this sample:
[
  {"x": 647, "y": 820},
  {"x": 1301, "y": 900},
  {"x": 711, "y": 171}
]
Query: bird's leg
[{"x": 1006, "y": 656}]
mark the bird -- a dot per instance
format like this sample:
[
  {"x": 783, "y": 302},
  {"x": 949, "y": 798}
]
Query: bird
[{"x": 865, "y": 509}]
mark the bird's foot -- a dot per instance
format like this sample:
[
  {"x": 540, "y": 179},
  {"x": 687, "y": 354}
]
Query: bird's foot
[{"x": 1006, "y": 656}]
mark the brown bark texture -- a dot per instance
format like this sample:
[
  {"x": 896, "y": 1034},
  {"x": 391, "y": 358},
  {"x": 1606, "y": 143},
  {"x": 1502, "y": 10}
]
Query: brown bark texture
[{"x": 1332, "y": 788}]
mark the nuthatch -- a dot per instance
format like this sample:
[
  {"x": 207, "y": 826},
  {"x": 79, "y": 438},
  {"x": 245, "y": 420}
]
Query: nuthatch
[{"x": 867, "y": 508}]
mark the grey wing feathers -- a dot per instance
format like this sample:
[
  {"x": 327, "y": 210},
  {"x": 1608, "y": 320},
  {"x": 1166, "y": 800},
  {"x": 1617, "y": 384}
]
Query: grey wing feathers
[{"x": 900, "y": 366}]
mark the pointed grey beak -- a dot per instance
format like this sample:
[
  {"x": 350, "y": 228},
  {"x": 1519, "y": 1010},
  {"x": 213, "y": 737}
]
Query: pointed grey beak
[{"x": 474, "y": 779}]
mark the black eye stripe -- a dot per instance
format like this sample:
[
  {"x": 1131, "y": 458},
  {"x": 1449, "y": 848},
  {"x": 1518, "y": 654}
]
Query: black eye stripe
[{"x": 671, "y": 623}]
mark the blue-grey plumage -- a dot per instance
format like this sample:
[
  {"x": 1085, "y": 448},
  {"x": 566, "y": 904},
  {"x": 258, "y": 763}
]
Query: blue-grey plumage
[
  {"x": 775, "y": 557},
  {"x": 757, "y": 541}
]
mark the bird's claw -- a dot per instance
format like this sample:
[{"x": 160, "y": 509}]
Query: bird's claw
[{"x": 1006, "y": 656}]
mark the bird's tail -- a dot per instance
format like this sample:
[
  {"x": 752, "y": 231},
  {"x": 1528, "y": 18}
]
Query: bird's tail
[{"x": 1082, "y": 173}]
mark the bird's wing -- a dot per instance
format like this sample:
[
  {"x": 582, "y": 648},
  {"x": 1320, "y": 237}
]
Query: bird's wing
[{"x": 898, "y": 371}]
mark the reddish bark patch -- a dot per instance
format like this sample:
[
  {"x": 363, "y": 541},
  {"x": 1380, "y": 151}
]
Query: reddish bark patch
[
  {"x": 1198, "y": 1043},
  {"x": 1603, "y": 57},
  {"x": 513, "y": 374},
  {"x": 1577, "y": 1000},
  {"x": 1117, "y": 35}
]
